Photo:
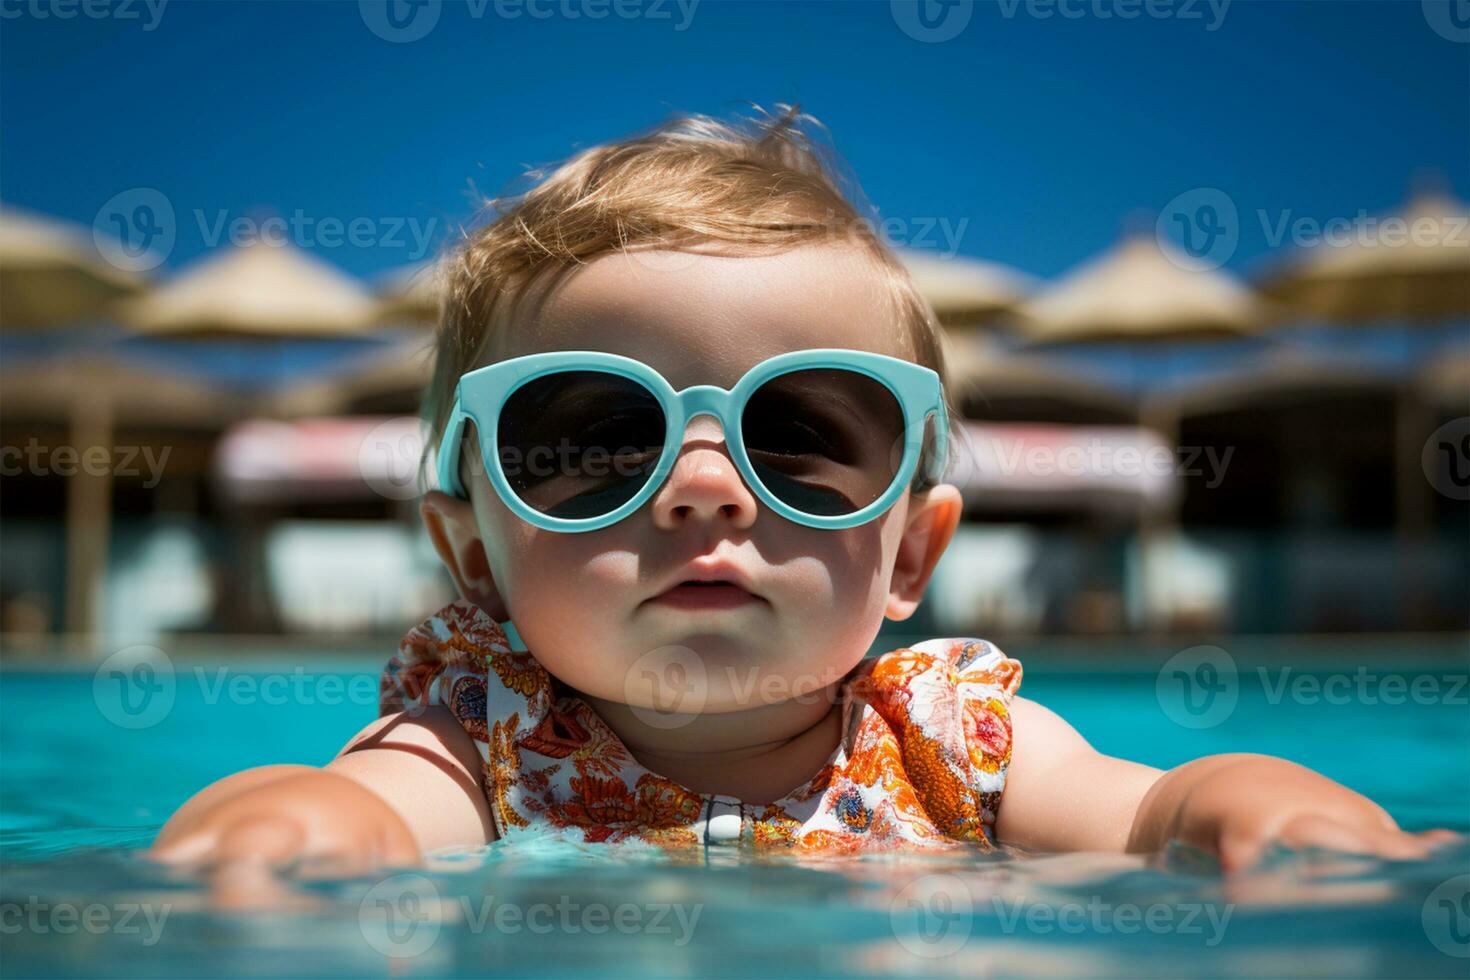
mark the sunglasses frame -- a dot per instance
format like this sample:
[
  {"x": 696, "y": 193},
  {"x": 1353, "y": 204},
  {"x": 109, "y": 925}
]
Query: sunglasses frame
[{"x": 481, "y": 395}]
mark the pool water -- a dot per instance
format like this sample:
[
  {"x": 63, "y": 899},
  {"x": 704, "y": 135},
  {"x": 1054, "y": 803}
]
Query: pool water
[{"x": 89, "y": 772}]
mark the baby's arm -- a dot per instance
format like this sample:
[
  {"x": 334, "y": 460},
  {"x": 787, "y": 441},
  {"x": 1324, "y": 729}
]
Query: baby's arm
[
  {"x": 1063, "y": 795},
  {"x": 403, "y": 785},
  {"x": 426, "y": 767}
]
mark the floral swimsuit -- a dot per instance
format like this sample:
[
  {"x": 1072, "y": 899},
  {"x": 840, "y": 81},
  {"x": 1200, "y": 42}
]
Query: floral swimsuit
[{"x": 922, "y": 761}]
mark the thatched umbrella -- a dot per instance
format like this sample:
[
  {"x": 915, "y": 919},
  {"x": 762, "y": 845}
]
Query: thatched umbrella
[
  {"x": 1411, "y": 270},
  {"x": 1314, "y": 390},
  {"x": 260, "y": 292},
  {"x": 92, "y": 394},
  {"x": 1278, "y": 375},
  {"x": 389, "y": 380},
  {"x": 1141, "y": 291},
  {"x": 1039, "y": 387},
  {"x": 1284, "y": 376},
  {"x": 1441, "y": 391},
  {"x": 1413, "y": 267},
  {"x": 275, "y": 297},
  {"x": 130, "y": 391},
  {"x": 965, "y": 291},
  {"x": 51, "y": 274},
  {"x": 256, "y": 290}
]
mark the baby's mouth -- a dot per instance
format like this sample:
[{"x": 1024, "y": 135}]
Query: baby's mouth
[{"x": 716, "y": 595}]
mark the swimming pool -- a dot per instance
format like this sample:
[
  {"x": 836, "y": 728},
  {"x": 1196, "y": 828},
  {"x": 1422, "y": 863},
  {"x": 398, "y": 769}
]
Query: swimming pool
[{"x": 92, "y": 769}]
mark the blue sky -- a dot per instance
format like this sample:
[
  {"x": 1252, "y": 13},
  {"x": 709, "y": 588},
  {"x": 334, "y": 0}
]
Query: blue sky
[{"x": 1029, "y": 137}]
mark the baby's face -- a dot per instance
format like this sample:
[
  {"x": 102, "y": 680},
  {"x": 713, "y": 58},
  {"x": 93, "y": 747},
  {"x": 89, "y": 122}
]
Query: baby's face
[{"x": 584, "y": 602}]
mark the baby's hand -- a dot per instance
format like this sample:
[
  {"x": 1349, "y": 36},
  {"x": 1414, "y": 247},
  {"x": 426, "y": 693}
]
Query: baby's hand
[
  {"x": 243, "y": 831},
  {"x": 1242, "y": 807}
]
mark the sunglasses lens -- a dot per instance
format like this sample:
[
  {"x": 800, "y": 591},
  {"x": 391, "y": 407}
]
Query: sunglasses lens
[
  {"x": 823, "y": 440},
  {"x": 580, "y": 444}
]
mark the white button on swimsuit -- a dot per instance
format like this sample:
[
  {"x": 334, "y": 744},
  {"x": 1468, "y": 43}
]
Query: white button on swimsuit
[{"x": 723, "y": 825}]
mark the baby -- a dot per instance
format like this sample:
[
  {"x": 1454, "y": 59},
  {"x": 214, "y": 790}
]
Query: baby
[{"x": 692, "y": 438}]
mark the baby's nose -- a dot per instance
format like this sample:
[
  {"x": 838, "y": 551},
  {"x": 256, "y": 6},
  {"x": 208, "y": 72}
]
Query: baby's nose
[{"x": 704, "y": 483}]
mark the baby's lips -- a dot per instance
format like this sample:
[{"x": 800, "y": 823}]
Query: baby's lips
[{"x": 720, "y": 570}]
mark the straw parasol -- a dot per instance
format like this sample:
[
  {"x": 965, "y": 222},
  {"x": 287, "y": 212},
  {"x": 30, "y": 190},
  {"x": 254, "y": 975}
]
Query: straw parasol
[
  {"x": 51, "y": 274},
  {"x": 1411, "y": 269},
  {"x": 289, "y": 309},
  {"x": 1414, "y": 266},
  {"x": 133, "y": 392},
  {"x": 256, "y": 290},
  {"x": 1144, "y": 291},
  {"x": 1277, "y": 376},
  {"x": 1283, "y": 377},
  {"x": 93, "y": 393},
  {"x": 963, "y": 290},
  {"x": 1141, "y": 290},
  {"x": 983, "y": 370},
  {"x": 264, "y": 293},
  {"x": 382, "y": 380}
]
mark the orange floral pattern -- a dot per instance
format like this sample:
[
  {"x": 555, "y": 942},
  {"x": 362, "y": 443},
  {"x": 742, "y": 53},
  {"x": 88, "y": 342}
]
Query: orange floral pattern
[{"x": 922, "y": 762}]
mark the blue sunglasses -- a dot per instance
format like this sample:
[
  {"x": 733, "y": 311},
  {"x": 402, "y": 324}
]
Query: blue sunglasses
[{"x": 579, "y": 440}]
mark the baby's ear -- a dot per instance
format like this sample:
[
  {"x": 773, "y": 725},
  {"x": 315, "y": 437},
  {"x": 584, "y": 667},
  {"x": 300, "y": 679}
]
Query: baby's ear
[
  {"x": 456, "y": 536},
  {"x": 932, "y": 519}
]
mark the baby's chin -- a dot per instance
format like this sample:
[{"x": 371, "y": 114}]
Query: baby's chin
[{"x": 706, "y": 669}]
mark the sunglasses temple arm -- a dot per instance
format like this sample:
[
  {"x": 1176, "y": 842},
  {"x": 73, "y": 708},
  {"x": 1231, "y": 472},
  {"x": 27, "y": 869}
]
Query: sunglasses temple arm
[
  {"x": 933, "y": 459},
  {"x": 941, "y": 443},
  {"x": 447, "y": 459}
]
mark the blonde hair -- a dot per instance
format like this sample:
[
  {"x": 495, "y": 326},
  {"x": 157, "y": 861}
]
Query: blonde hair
[{"x": 767, "y": 183}]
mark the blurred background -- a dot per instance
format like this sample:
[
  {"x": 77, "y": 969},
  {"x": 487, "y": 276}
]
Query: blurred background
[{"x": 1204, "y": 269}]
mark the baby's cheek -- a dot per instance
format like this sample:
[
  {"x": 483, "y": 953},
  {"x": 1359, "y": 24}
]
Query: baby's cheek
[
  {"x": 568, "y": 604},
  {"x": 848, "y": 580},
  {"x": 545, "y": 583},
  {"x": 827, "y": 621}
]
